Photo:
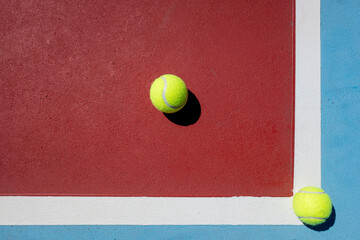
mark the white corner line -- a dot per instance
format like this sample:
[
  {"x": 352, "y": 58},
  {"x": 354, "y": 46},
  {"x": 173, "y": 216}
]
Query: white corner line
[{"x": 307, "y": 156}]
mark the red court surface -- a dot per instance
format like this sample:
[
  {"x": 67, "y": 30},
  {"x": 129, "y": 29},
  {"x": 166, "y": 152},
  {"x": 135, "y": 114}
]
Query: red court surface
[{"x": 75, "y": 113}]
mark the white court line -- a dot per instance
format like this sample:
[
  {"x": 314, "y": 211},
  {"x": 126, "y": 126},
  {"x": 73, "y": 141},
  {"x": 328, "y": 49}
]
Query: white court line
[{"x": 188, "y": 211}]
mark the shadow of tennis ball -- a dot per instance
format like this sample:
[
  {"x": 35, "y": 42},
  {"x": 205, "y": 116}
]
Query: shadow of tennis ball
[{"x": 189, "y": 114}]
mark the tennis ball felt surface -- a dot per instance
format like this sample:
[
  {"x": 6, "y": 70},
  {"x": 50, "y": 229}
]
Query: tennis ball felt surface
[
  {"x": 312, "y": 205},
  {"x": 168, "y": 93}
]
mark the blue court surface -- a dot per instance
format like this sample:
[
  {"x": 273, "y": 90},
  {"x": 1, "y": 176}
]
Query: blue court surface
[{"x": 340, "y": 153}]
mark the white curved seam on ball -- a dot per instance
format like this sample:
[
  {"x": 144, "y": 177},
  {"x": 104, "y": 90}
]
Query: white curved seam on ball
[
  {"x": 313, "y": 218},
  {"x": 312, "y": 192},
  {"x": 164, "y": 97}
]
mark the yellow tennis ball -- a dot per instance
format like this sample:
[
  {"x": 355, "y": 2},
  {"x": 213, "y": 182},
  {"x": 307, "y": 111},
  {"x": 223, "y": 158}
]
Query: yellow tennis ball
[
  {"x": 168, "y": 93},
  {"x": 312, "y": 205}
]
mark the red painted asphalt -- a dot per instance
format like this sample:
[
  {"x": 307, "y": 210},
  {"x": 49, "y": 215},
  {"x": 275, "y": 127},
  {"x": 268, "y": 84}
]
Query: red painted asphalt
[{"x": 76, "y": 116}]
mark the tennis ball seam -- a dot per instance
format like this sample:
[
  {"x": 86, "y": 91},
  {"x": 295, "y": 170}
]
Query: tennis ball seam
[
  {"x": 311, "y": 192},
  {"x": 164, "y": 96},
  {"x": 313, "y": 218}
]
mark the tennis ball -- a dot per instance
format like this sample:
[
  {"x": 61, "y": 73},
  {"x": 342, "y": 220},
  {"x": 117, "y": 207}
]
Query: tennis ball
[
  {"x": 312, "y": 205},
  {"x": 168, "y": 93}
]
